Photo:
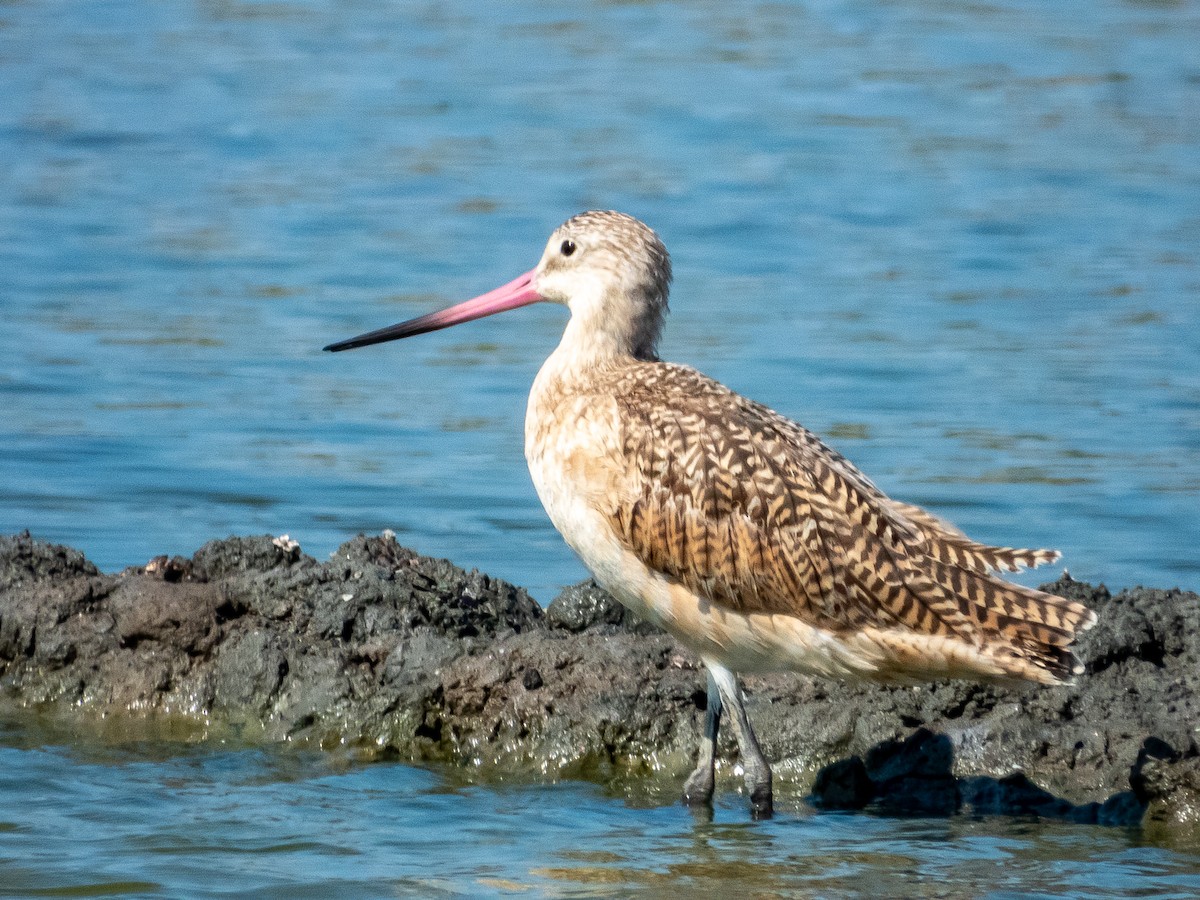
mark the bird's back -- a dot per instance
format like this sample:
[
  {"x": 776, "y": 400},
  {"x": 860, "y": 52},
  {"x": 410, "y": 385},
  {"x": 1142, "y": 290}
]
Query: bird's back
[{"x": 727, "y": 500}]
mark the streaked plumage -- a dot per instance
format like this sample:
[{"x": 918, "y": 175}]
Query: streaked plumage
[
  {"x": 753, "y": 513},
  {"x": 736, "y": 529}
]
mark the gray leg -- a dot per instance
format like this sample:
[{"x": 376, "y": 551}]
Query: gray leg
[
  {"x": 754, "y": 764},
  {"x": 698, "y": 789}
]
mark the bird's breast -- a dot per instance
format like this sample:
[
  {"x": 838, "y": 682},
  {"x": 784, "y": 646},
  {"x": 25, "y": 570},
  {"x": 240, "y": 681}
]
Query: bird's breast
[{"x": 572, "y": 441}]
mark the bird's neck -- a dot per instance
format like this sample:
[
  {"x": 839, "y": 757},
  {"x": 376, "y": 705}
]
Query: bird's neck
[
  {"x": 587, "y": 351},
  {"x": 606, "y": 331},
  {"x": 572, "y": 365},
  {"x": 609, "y": 327},
  {"x": 584, "y": 352}
]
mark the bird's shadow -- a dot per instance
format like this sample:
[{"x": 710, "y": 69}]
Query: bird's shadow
[{"x": 915, "y": 776}]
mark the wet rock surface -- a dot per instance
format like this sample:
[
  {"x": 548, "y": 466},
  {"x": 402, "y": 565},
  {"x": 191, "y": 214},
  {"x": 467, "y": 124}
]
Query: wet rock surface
[{"x": 391, "y": 653}]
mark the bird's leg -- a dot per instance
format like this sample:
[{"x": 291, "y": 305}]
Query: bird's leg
[
  {"x": 698, "y": 789},
  {"x": 754, "y": 764}
]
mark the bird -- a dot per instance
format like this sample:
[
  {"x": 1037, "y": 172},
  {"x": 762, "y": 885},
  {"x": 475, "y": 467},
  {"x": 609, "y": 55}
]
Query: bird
[{"x": 738, "y": 531}]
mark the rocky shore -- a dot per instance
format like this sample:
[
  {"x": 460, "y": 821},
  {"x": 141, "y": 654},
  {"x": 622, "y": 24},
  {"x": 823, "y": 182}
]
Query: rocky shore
[{"x": 384, "y": 651}]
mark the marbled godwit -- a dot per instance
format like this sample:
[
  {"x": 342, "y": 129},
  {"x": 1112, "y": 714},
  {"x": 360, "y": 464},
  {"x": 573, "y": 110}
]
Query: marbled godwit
[{"x": 735, "y": 529}]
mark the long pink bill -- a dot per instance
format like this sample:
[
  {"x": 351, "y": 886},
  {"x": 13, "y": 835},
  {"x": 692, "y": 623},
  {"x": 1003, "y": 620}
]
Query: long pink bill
[{"x": 519, "y": 292}]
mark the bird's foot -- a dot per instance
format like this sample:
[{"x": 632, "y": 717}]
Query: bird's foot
[
  {"x": 762, "y": 802},
  {"x": 699, "y": 787},
  {"x": 758, "y": 785}
]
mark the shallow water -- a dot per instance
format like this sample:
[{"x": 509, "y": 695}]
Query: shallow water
[
  {"x": 958, "y": 239},
  {"x": 210, "y": 822}
]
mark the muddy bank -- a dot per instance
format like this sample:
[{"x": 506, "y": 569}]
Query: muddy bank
[{"x": 394, "y": 653}]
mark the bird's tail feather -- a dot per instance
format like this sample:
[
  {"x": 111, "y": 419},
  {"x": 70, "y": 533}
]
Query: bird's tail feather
[{"x": 1029, "y": 632}]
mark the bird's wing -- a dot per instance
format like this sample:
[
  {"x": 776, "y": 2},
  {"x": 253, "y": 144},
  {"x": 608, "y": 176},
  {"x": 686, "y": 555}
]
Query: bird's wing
[
  {"x": 754, "y": 512},
  {"x": 954, "y": 547}
]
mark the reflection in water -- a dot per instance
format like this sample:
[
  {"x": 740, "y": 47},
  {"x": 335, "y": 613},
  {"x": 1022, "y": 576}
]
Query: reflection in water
[
  {"x": 145, "y": 803},
  {"x": 207, "y": 821}
]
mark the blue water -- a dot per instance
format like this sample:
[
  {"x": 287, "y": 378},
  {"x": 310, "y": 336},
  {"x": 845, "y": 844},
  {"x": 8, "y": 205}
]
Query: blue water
[
  {"x": 961, "y": 240},
  {"x": 214, "y": 823}
]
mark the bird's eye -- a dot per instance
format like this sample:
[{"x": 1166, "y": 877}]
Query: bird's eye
[{"x": 567, "y": 248}]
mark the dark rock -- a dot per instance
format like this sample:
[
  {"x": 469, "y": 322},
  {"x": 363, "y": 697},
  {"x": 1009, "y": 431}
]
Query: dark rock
[
  {"x": 586, "y": 605},
  {"x": 418, "y": 656},
  {"x": 1152, "y": 750},
  {"x": 248, "y": 672},
  {"x": 217, "y": 559},
  {"x": 169, "y": 568},
  {"x": 1167, "y": 785},
  {"x": 25, "y": 561},
  {"x": 384, "y": 650},
  {"x": 1068, "y": 587},
  {"x": 255, "y": 634}
]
